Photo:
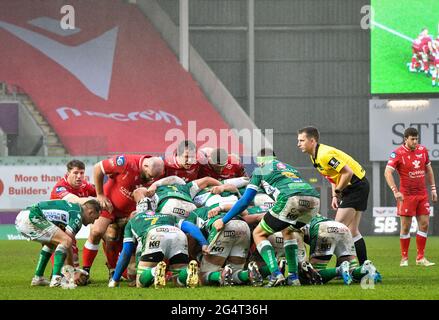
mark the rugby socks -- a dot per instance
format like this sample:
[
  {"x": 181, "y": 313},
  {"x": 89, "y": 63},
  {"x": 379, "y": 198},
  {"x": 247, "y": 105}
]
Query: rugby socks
[
  {"x": 404, "y": 242},
  {"x": 213, "y": 277},
  {"x": 264, "y": 270},
  {"x": 360, "y": 248},
  {"x": 291, "y": 249},
  {"x": 240, "y": 277},
  {"x": 89, "y": 254},
  {"x": 267, "y": 253},
  {"x": 45, "y": 255},
  {"x": 181, "y": 276},
  {"x": 421, "y": 240},
  {"x": 112, "y": 250},
  {"x": 146, "y": 277},
  {"x": 59, "y": 257},
  {"x": 356, "y": 270},
  {"x": 328, "y": 274}
]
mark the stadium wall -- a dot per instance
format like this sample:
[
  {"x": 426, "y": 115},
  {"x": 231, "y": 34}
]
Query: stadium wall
[{"x": 312, "y": 67}]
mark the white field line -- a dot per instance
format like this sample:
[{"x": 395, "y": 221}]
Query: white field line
[{"x": 396, "y": 33}]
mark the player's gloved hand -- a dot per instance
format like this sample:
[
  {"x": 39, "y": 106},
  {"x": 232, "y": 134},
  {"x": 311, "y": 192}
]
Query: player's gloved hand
[
  {"x": 113, "y": 284},
  {"x": 309, "y": 275}
]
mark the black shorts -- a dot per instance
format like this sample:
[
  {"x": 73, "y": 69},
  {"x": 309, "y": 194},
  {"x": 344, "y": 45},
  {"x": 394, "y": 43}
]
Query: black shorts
[
  {"x": 278, "y": 225},
  {"x": 355, "y": 195}
]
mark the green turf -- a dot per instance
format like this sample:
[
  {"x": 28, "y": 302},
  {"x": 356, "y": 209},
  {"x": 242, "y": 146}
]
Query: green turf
[
  {"x": 18, "y": 259},
  {"x": 390, "y": 53}
]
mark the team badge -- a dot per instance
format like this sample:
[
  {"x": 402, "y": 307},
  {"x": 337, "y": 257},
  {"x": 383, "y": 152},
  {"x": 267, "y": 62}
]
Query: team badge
[
  {"x": 393, "y": 155},
  {"x": 120, "y": 160},
  {"x": 61, "y": 189},
  {"x": 281, "y": 166}
]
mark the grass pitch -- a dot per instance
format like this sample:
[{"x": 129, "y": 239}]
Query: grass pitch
[
  {"x": 18, "y": 260},
  {"x": 391, "y": 53}
]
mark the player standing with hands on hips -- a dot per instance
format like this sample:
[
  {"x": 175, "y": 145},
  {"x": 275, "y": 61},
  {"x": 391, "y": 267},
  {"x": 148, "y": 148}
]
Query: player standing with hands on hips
[{"x": 413, "y": 165}]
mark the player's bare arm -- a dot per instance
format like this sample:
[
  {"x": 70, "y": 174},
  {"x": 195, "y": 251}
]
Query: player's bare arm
[
  {"x": 388, "y": 174},
  {"x": 98, "y": 175},
  {"x": 430, "y": 181}
]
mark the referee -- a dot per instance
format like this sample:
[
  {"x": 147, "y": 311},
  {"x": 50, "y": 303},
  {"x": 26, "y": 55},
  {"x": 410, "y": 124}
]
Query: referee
[{"x": 350, "y": 188}]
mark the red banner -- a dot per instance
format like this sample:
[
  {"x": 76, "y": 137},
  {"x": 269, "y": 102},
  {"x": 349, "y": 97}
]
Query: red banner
[{"x": 110, "y": 85}]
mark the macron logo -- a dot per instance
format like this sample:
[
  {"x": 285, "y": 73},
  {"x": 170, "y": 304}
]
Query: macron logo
[{"x": 90, "y": 62}]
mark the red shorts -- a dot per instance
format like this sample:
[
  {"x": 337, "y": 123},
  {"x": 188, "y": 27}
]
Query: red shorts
[
  {"x": 414, "y": 206},
  {"x": 114, "y": 215}
]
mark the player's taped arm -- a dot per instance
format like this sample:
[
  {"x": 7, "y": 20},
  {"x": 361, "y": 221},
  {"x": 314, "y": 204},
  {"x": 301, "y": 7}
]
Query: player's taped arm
[
  {"x": 194, "y": 231},
  {"x": 240, "y": 206},
  {"x": 124, "y": 260},
  {"x": 169, "y": 180},
  {"x": 237, "y": 182}
]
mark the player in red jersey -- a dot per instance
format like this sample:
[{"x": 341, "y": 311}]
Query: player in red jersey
[
  {"x": 125, "y": 173},
  {"x": 425, "y": 40},
  {"x": 74, "y": 188},
  {"x": 220, "y": 165},
  {"x": 416, "y": 63},
  {"x": 435, "y": 62},
  {"x": 183, "y": 163},
  {"x": 413, "y": 165}
]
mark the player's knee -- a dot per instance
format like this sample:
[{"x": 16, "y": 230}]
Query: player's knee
[
  {"x": 67, "y": 242},
  {"x": 111, "y": 234},
  {"x": 423, "y": 226}
]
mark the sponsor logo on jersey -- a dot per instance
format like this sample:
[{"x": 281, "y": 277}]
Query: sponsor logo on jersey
[
  {"x": 334, "y": 163},
  {"x": 60, "y": 189},
  {"x": 179, "y": 211},
  {"x": 281, "y": 166},
  {"x": 417, "y": 174},
  {"x": 419, "y": 155},
  {"x": 332, "y": 230},
  {"x": 290, "y": 175},
  {"x": 304, "y": 203},
  {"x": 154, "y": 244},
  {"x": 393, "y": 155},
  {"x": 279, "y": 240},
  {"x": 229, "y": 233},
  {"x": 125, "y": 192},
  {"x": 217, "y": 249},
  {"x": 120, "y": 160}
]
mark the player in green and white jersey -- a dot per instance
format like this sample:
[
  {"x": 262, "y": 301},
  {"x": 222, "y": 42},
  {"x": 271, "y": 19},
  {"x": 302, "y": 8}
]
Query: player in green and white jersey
[
  {"x": 296, "y": 203},
  {"x": 229, "y": 247},
  {"x": 326, "y": 238},
  {"x": 158, "y": 237},
  {"x": 54, "y": 224},
  {"x": 170, "y": 196}
]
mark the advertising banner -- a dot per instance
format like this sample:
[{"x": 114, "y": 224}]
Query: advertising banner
[
  {"x": 389, "y": 118},
  {"x": 21, "y": 186}
]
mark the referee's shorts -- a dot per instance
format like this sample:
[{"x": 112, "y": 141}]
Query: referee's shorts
[{"x": 355, "y": 195}]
